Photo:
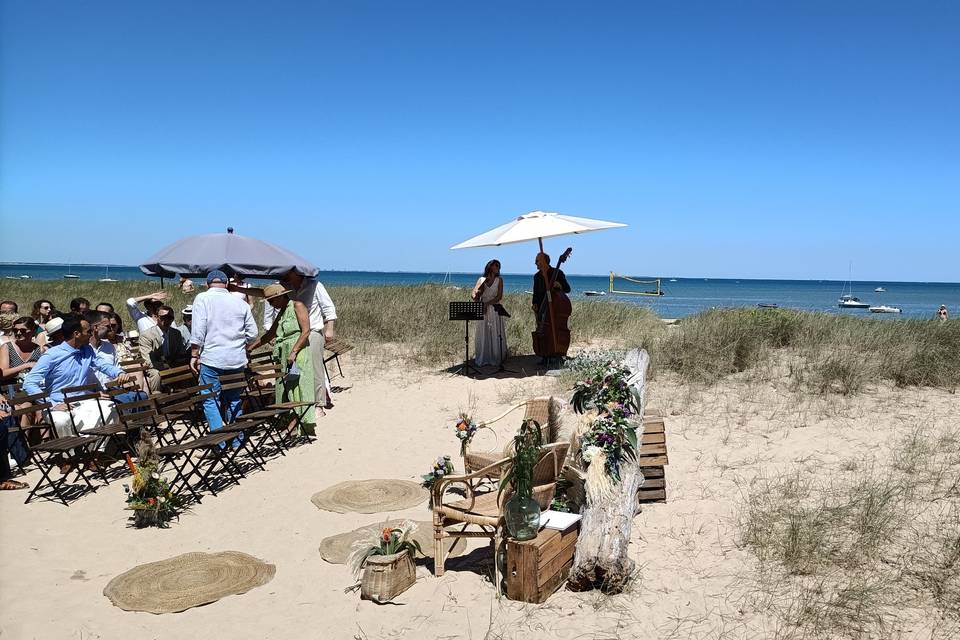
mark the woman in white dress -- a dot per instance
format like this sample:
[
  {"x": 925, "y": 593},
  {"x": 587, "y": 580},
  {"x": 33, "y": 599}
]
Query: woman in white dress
[{"x": 491, "y": 338}]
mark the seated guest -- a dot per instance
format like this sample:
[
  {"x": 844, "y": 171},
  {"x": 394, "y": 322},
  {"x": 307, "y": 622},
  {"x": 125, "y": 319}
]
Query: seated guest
[
  {"x": 51, "y": 335},
  {"x": 69, "y": 364},
  {"x": 79, "y": 305},
  {"x": 151, "y": 302},
  {"x": 42, "y": 313},
  {"x": 186, "y": 316},
  {"x": 9, "y": 306},
  {"x": 162, "y": 347},
  {"x": 21, "y": 354},
  {"x": 100, "y": 333},
  {"x": 6, "y": 328},
  {"x": 105, "y": 307},
  {"x": 119, "y": 340}
]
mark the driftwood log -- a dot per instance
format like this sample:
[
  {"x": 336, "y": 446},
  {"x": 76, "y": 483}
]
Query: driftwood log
[{"x": 601, "y": 560}]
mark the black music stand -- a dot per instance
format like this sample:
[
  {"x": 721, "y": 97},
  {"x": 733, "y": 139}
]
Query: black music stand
[{"x": 466, "y": 311}]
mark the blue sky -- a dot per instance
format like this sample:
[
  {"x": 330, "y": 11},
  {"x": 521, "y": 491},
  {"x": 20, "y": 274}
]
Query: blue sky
[{"x": 737, "y": 139}]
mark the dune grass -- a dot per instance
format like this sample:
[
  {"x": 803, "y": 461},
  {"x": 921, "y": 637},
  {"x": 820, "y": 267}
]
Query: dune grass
[
  {"x": 842, "y": 553},
  {"x": 826, "y": 353},
  {"x": 829, "y": 353}
]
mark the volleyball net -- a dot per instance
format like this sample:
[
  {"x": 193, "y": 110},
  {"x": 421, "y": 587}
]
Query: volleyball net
[{"x": 634, "y": 286}]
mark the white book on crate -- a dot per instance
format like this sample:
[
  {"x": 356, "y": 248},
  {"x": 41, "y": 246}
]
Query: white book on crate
[{"x": 559, "y": 520}]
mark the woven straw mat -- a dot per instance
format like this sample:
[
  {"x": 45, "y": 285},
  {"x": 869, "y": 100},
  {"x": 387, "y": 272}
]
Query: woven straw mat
[
  {"x": 186, "y": 581},
  {"x": 370, "y": 496},
  {"x": 336, "y": 549}
]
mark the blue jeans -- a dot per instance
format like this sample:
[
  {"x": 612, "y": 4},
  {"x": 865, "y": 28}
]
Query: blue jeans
[
  {"x": 131, "y": 396},
  {"x": 229, "y": 399}
]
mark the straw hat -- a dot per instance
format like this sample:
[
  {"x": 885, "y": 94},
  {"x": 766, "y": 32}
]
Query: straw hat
[
  {"x": 370, "y": 496},
  {"x": 187, "y": 580},
  {"x": 274, "y": 291},
  {"x": 52, "y": 326},
  {"x": 7, "y": 320}
]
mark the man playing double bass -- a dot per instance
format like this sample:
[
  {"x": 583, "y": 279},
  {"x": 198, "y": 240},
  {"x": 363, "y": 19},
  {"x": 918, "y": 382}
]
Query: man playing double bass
[{"x": 546, "y": 273}]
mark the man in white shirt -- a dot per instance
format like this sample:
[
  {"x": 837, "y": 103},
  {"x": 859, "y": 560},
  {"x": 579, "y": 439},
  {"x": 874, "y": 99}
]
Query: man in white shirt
[
  {"x": 323, "y": 318},
  {"x": 223, "y": 326},
  {"x": 151, "y": 303}
]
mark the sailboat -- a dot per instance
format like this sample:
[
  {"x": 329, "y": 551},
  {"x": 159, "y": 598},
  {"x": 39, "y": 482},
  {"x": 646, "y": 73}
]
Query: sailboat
[
  {"x": 106, "y": 277},
  {"x": 847, "y": 300},
  {"x": 70, "y": 275}
]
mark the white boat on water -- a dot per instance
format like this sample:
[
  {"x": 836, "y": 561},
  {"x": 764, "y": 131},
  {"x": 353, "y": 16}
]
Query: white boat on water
[
  {"x": 594, "y": 293},
  {"x": 849, "y": 302},
  {"x": 880, "y": 290},
  {"x": 71, "y": 276},
  {"x": 847, "y": 299},
  {"x": 25, "y": 277},
  {"x": 106, "y": 277},
  {"x": 882, "y": 308}
]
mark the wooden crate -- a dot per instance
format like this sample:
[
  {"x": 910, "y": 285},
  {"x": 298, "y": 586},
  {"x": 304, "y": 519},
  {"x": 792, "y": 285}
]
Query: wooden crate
[
  {"x": 653, "y": 458},
  {"x": 536, "y": 568}
]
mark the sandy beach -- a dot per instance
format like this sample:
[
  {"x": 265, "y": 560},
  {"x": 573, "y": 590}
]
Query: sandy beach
[{"x": 695, "y": 580}]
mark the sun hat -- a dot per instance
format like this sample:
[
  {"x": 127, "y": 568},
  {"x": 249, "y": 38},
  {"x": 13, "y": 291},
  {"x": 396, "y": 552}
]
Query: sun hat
[
  {"x": 217, "y": 276},
  {"x": 274, "y": 290},
  {"x": 53, "y": 326},
  {"x": 7, "y": 320},
  {"x": 187, "y": 310}
]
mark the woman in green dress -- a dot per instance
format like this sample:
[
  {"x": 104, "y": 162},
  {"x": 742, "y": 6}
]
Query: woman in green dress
[{"x": 291, "y": 329}]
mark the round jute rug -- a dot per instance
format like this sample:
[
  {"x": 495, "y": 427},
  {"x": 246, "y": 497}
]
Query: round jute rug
[
  {"x": 336, "y": 549},
  {"x": 186, "y": 581},
  {"x": 370, "y": 496}
]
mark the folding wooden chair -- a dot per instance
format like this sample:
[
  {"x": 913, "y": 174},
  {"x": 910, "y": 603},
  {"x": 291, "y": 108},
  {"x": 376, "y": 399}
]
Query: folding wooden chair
[
  {"x": 73, "y": 396},
  {"x": 199, "y": 458},
  {"x": 184, "y": 408},
  {"x": 49, "y": 454},
  {"x": 177, "y": 378},
  {"x": 337, "y": 348},
  {"x": 131, "y": 418}
]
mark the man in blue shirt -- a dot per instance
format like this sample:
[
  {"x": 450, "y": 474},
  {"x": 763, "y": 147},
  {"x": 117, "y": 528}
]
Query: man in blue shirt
[
  {"x": 70, "y": 364},
  {"x": 222, "y": 328}
]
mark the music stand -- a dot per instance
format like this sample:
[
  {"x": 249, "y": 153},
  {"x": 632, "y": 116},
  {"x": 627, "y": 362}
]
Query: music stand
[{"x": 466, "y": 311}]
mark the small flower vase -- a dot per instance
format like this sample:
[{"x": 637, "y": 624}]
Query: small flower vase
[
  {"x": 145, "y": 518},
  {"x": 522, "y": 515}
]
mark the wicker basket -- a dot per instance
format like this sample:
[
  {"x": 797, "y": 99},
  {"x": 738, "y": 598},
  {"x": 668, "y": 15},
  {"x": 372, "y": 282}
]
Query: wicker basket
[{"x": 386, "y": 577}]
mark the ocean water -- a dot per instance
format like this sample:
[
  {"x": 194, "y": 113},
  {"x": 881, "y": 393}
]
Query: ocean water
[{"x": 683, "y": 296}]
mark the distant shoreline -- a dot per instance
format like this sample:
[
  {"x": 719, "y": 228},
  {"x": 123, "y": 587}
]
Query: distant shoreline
[{"x": 664, "y": 279}]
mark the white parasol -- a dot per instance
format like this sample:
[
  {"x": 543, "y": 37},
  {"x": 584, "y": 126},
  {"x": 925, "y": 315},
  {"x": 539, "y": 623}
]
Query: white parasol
[{"x": 536, "y": 225}]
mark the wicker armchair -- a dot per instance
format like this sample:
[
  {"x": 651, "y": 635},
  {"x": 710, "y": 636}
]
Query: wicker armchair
[
  {"x": 480, "y": 514},
  {"x": 543, "y": 411}
]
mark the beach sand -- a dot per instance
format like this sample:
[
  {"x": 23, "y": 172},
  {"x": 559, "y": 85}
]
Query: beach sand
[{"x": 693, "y": 580}]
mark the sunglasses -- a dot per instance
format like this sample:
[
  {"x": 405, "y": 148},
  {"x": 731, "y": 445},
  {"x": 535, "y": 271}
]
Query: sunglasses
[{"x": 21, "y": 330}]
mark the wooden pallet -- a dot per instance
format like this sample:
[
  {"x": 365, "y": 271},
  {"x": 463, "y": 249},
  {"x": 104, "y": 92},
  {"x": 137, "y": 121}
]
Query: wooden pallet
[{"x": 653, "y": 458}]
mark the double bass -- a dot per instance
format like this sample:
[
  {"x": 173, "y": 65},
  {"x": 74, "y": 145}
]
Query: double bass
[{"x": 552, "y": 335}]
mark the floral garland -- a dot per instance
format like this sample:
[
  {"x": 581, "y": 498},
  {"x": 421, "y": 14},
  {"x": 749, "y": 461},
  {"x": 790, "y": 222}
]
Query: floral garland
[
  {"x": 605, "y": 384},
  {"x": 442, "y": 467},
  {"x": 612, "y": 436}
]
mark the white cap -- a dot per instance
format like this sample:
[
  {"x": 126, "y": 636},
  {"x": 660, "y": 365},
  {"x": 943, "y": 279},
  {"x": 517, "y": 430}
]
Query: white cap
[
  {"x": 187, "y": 310},
  {"x": 52, "y": 326}
]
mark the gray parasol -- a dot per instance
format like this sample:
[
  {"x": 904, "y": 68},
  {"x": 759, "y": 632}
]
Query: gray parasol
[{"x": 229, "y": 252}]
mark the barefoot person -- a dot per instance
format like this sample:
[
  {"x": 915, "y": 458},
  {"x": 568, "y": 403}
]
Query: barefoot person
[{"x": 291, "y": 329}]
